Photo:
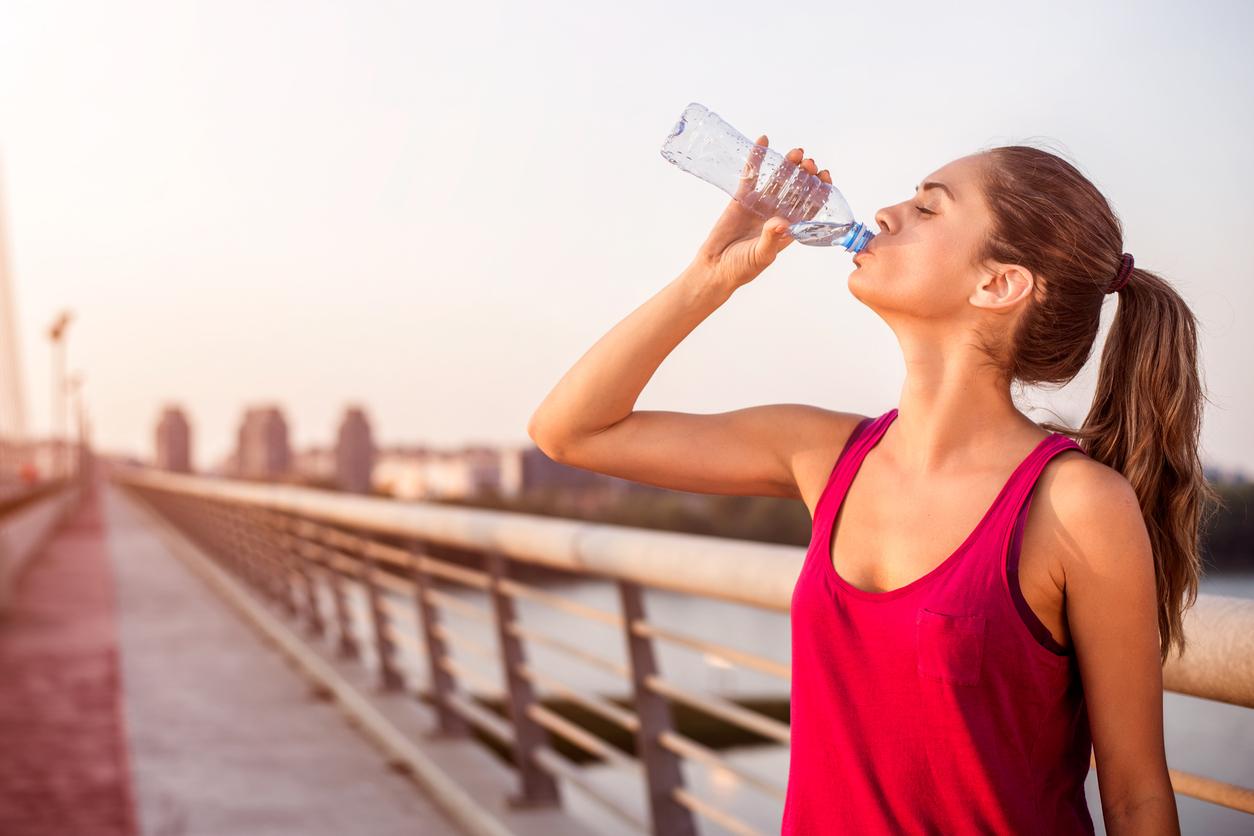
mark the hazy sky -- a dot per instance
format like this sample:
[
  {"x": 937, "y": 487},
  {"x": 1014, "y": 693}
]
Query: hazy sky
[{"x": 435, "y": 209}]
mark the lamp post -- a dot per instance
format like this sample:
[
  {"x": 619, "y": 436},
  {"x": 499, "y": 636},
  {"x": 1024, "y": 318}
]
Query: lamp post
[
  {"x": 56, "y": 333},
  {"x": 73, "y": 384}
]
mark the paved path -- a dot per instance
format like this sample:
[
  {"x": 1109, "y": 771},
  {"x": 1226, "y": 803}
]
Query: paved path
[
  {"x": 63, "y": 765},
  {"x": 225, "y": 737},
  {"x": 195, "y": 727}
]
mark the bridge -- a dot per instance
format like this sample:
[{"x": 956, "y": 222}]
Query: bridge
[{"x": 204, "y": 655}]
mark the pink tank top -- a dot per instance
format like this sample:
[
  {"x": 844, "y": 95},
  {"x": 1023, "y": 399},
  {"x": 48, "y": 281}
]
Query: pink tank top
[{"x": 942, "y": 706}]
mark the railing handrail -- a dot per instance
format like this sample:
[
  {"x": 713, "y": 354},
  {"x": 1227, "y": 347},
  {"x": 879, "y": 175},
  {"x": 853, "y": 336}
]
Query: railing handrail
[
  {"x": 743, "y": 571},
  {"x": 1218, "y": 663}
]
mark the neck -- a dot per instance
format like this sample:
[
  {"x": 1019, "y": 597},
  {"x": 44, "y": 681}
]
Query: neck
[{"x": 955, "y": 413}]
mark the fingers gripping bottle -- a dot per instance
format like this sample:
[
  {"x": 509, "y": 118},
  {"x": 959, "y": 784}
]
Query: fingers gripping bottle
[{"x": 763, "y": 180}]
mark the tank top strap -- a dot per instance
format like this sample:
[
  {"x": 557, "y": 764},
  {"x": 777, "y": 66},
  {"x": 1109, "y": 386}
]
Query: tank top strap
[
  {"x": 860, "y": 441},
  {"x": 1024, "y": 480},
  {"x": 1013, "y": 512}
]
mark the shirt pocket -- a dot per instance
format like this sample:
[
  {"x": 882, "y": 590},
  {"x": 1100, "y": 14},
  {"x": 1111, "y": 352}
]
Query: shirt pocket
[{"x": 950, "y": 648}]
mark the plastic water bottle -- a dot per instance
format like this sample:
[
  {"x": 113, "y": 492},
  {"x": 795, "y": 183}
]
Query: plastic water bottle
[{"x": 763, "y": 180}]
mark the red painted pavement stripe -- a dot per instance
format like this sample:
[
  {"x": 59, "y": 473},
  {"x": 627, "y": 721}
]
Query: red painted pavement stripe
[{"x": 64, "y": 766}]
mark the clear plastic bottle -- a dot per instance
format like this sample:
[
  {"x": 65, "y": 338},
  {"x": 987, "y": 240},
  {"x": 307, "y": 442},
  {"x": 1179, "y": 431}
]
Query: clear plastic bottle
[{"x": 763, "y": 180}]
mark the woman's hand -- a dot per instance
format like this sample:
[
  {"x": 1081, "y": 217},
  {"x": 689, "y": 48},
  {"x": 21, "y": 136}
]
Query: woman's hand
[{"x": 741, "y": 245}]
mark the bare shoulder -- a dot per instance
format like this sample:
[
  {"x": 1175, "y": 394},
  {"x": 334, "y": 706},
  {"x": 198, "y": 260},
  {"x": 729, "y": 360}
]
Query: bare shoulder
[
  {"x": 1089, "y": 513},
  {"x": 1082, "y": 489},
  {"x": 818, "y": 437}
]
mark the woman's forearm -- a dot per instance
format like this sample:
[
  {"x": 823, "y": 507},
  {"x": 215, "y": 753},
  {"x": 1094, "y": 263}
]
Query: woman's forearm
[
  {"x": 1155, "y": 815},
  {"x": 603, "y": 386}
]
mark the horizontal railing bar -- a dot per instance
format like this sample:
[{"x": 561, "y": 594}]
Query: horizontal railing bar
[
  {"x": 580, "y": 737},
  {"x": 607, "y": 665},
  {"x": 390, "y": 581},
  {"x": 386, "y": 553},
  {"x": 704, "y": 808},
  {"x": 691, "y": 749},
  {"x": 403, "y": 637},
  {"x": 1219, "y": 661},
  {"x": 1218, "y": 792},
  {"x": 719, "y": 707},
  {"x": 472, "y": 578},
  {"x": 621, "y": 717},
  {"x": 443, "y": 599},
  {"x": 482, "y": 718},
  {"x": 398, "y": 610},
  {"x": 331, "y": 559},
  {"x": 557, "y": 765},
  {"x": 463, "y": 642},
  {"x": 470, "y": 675},
  {"x": 754, "y": 573},
  {"x": 745, "y": 659},
  {"x": 558, "y": 602}
]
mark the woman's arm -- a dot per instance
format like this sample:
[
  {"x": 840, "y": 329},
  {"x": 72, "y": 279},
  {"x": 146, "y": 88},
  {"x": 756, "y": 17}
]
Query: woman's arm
[
  {"x": 589, "y": 419},
  {"x": 1112, "y": 613},
  {"x": 602, "y": 388}
]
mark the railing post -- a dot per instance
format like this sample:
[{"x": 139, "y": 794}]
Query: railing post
[
  {"x": 538, "y": 788},
  {"x": 346, "y": 644},
  {"x": 276, "y": 558},
  {"x": 300, "y": 551},
  {"x": 449, "y": 722},
  {"x": 385, "y": 649},
  {"x": 210, "y": 528},
  {"x": 239, "y": 550},
  {"x": 662, "y": 767}
]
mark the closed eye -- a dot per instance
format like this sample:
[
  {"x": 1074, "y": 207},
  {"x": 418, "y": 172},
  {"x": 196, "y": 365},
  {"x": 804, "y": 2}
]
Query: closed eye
[{"x": 925, "y": 211}]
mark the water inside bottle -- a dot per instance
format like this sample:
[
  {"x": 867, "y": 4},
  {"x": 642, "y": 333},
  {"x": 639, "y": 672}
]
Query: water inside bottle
[
  {"x": 852, "y": 236},
  {"x": 819, "y": 233}
]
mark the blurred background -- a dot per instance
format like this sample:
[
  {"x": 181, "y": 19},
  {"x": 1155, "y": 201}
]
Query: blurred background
[{"x": 351, "y": 247}]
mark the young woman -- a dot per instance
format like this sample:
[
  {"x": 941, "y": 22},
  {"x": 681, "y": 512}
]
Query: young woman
[{"x": 989, "y": 600}]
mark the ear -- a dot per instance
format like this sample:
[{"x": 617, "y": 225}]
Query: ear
[{"x": 1003, "y": 286}]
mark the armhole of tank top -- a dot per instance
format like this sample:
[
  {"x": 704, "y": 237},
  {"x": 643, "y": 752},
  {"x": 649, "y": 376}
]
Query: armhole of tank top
[
  {"x": 1038, "y": 630},
  {"x": 854, "y": 435}
]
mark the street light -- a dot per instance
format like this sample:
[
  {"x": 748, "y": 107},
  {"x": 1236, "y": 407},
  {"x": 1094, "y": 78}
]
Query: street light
[
  {"x": 56, "y": 333},
  {"x": 73, "y": 384}
]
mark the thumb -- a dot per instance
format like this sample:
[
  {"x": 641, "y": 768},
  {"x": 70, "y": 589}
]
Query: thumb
[{"x": 775, "y": 235}]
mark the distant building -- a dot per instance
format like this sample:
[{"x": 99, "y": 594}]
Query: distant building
[
  {"x": 354, "y": 452},
  {"x": 262, "y": 450},
  {"x": 314, "y": 465},
  {"x": 433, "y": 474},
  {"x": 473, "y": 471},
  {"x": 174, "y": 441},
  {"x": 526, "y": 469}
]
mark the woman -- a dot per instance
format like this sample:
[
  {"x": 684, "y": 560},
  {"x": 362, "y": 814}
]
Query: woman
[{"x": 989, "y": 598}]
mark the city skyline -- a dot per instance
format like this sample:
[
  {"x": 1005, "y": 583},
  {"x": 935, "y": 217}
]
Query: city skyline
[{"x": 440, "y": 227}]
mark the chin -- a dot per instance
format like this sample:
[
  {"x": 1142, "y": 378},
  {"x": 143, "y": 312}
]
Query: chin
[{"x": 859, "y": 284}]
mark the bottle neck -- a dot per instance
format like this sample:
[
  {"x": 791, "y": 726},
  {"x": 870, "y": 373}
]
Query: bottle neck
[{"x": 857, "y": 238}]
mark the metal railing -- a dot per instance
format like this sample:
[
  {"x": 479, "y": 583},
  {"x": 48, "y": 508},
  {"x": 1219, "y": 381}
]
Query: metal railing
[{"x": 311, "y": 551}]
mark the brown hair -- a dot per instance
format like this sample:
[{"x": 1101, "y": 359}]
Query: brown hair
[{"x": 1147, "y": 410}]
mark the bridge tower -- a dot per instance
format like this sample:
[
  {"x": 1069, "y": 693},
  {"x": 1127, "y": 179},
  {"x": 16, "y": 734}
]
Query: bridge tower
[{"x": 12, "y": 389}]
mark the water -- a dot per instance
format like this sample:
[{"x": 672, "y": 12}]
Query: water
[{"x": 853, "y": 237}]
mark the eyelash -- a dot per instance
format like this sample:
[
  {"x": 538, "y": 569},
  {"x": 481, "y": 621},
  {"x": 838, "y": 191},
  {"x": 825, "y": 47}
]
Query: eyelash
[{"x": 925, "y": 211}]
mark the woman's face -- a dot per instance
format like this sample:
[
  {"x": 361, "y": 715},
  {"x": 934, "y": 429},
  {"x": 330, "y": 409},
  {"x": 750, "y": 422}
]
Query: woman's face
[{"x": 922, "y": 262}]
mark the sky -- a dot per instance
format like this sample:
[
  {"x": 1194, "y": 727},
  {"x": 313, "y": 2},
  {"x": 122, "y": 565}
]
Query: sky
[{"x": 434, "y": 210}]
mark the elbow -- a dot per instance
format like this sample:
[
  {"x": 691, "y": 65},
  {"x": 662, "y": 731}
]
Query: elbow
[{"x": 544, "y": 439}]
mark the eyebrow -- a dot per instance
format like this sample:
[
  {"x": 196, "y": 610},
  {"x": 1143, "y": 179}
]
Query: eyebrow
[{"x": 932, "y": 184}]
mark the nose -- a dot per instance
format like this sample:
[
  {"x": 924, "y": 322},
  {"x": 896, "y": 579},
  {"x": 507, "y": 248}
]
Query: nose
[{"x": 883, "y": 220}]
